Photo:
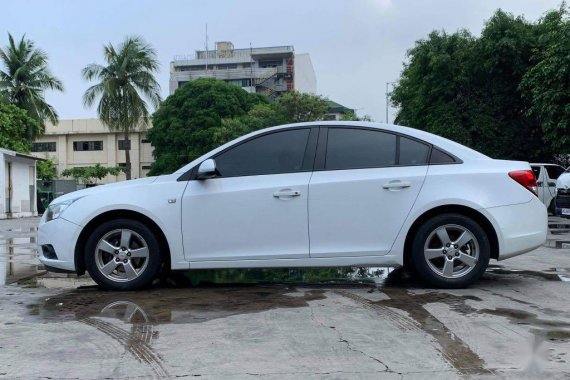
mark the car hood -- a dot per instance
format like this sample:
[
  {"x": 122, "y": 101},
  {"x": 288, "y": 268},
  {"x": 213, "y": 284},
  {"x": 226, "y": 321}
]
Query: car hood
[
  {"x": 563, "y": 182},
  {"x": 102, "y": 188}
]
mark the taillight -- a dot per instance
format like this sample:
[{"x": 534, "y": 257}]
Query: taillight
[{"x": 526, "y": 178}]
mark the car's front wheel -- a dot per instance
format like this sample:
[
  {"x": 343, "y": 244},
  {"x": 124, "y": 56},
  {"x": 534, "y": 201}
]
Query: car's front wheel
[
  {"x": 123, "y": 254},
  {"x": 450, "y": 251}
]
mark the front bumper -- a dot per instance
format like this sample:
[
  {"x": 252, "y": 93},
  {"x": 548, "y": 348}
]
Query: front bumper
[
  {"x": 562, "y": 202},
  {"x": 62, "y": 235},
  {"x": 521, "y": 227}
]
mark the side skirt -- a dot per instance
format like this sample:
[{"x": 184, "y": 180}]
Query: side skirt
[{"x": 364, "y": 261}]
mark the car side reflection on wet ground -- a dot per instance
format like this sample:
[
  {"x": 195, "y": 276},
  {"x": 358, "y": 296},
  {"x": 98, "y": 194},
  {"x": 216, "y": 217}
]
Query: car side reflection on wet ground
[{"x": 514, "y": 323}]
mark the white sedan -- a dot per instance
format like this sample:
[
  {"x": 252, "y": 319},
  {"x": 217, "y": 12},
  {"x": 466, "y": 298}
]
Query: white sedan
[{"x": 317, "y": 194}]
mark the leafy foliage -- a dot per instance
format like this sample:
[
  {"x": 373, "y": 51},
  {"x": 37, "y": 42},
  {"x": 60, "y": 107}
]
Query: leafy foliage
[
  {"x": 546, "y": 84},
  {"x": 25, "y": 79},
  {"x": 185, "y": 124},
  {"x": 46, "y": 170},
  {"x": 90, "y": 174},
  {"x": 127, "y": 78},
  {"x": 291, "y": 107},
  {"x": 468, "y": 89},
  {"x": 15, "y": 123},
  {"x": 297, "y": 107}
]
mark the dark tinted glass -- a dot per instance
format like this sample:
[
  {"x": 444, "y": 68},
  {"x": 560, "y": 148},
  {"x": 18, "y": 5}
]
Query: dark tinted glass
[
  {"x": 536, "y": 170},
  {"x": 413, "y": 152},
  {"x": 359, "y": 148},
  {"x": 439, "y": 157},
  {"x": 554, "y": 171},
  {"x": 279, "y": 152}
]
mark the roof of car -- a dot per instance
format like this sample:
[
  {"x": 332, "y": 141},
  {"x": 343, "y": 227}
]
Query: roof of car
[{"x": 452, "y": 147}]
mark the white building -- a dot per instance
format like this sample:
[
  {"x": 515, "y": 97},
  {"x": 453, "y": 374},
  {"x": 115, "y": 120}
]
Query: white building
[
  {"x": 18, "y": 184},
  {"x": 267, "y": 70},
  {"x": 86, "y": 142}
]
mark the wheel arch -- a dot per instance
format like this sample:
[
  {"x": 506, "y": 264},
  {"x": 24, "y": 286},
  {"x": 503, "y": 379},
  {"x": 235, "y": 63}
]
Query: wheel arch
[
  {"x": 457, "y": 209},
  {"x": 79, "y": 256}
]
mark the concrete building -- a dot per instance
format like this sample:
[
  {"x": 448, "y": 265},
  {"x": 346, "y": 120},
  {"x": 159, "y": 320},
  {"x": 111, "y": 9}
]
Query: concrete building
[
  {"x": 337, "y": 111},
  {"x": 86, "y": 142},
  {"x": 18, "y": 181},
  {"x": 267, "y": 70}
]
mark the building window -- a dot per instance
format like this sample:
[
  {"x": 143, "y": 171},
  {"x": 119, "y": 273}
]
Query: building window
[
  {"x": 43, "y": 147},
  {"x": 182, "y": 83},
  {"x": 270, "y": 63},
  {"x": 80, "y": 146},
  {"x": 122, "y": 164},
  {"x": 145, "y": 141},
  {"x": 124, "y": 144},
  {"x": 146, "y": 167},
  {"x": 240, "y": 82}
]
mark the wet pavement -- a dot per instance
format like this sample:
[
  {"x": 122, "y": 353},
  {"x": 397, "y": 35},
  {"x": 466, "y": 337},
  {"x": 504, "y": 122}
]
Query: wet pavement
[{"x": 514, "y": 323}]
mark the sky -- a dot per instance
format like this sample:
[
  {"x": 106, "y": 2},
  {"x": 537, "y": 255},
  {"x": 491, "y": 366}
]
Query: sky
[{"x": 356, "y": 46}]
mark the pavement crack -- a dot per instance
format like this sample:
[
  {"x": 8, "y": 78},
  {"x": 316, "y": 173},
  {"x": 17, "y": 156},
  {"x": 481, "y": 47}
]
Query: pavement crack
[{"x": 349, "y": 346}]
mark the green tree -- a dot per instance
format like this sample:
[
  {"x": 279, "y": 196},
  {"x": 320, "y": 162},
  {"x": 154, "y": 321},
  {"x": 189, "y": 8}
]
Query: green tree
[
  {"x": 298, "y": 107},
  {"x": 467, "y": 89},
  {"x": 290, "y": 107},
  {"x": 46, "y": 170},
  {"x": 90, "y": 174},
  {"x": 184, "y": 124},
  {"x": 25, "y": 79},
  {"x": 15, "y": 124},
  {"x": 124, "y": 83},
  {"x": 546, "y": 85}
]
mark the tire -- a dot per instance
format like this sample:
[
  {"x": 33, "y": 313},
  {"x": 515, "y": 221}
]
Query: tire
[
  {"x": 115, "y": 268},
  {"x": 466, "y": 246}
]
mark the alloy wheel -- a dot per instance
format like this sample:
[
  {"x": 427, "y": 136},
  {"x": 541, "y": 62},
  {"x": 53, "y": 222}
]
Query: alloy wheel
[
  {"x": 121, "y": 255},
  {"x": 451, "y": 251}
]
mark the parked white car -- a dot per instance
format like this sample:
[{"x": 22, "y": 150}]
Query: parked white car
[
  {"x": 563, "y": 195},
  {"x": 546, "y": 177},
  {"x": 315, "y": 194}
]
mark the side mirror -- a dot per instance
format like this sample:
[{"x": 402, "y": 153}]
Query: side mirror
[{"x": 207, "y": 169}]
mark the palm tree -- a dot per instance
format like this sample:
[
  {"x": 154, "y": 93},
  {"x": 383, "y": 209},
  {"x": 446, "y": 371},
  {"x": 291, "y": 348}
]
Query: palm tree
[
  {"x": 25, "y": 78},
  {"x": 122, "y": 84}
]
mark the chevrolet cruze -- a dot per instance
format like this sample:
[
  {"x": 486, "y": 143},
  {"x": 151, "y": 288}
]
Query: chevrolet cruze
[{"x": 314, "y": 194}]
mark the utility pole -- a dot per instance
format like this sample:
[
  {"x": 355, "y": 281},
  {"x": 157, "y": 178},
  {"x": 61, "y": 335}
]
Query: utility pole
[
  {"x": 387, "y": 84},
  {"x": 388, "y": 99}
]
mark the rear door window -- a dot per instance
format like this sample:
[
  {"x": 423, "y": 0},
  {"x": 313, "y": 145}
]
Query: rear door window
[
  {"x": 350, "y": 148},
  {"x": 413, "y": 152}
]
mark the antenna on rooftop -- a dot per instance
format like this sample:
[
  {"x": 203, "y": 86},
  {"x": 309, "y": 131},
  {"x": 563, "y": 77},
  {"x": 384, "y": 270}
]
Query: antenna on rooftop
[
  {"x": 251, "y": 67},
  {"x": 206, "y": 46}
]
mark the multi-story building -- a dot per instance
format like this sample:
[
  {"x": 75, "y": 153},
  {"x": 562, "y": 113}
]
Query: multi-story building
[
  {"x": 86, "y": 142},
  {"x": 267, "y": 70}
]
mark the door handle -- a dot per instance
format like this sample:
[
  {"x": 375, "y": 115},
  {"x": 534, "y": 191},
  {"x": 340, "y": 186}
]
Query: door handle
[
  {"x": 286, "y": 194},
  {"x": 396, "y": 185}
]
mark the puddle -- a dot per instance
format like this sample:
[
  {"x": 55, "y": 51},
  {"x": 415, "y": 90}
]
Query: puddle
[
  {"x": 401, "y": 289},
  {"x": 557, "y": 274},
  {"x": 18, "y": 259},
  {"x": 193, "y": 305}
]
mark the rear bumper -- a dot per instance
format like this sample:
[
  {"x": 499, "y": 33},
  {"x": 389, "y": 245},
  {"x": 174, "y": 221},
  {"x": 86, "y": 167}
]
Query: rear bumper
[{"x": 520, "y": 228}]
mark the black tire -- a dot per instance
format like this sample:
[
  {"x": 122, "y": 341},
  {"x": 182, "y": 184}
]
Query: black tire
[
  {"x": 453, "y": 224},
  {"x": 141, "y": 236}
]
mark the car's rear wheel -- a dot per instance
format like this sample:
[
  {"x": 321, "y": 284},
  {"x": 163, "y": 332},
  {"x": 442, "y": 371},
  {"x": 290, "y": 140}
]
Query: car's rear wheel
[
  {"x": 123, "y": 254},
  {"x": 450, "y": 251}
]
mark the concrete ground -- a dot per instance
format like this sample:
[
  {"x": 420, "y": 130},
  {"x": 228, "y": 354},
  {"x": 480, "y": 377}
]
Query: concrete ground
[{"x": 513, "y": 323}]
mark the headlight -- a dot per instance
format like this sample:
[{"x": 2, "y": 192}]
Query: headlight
[{"x": 55, "y": 210}]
